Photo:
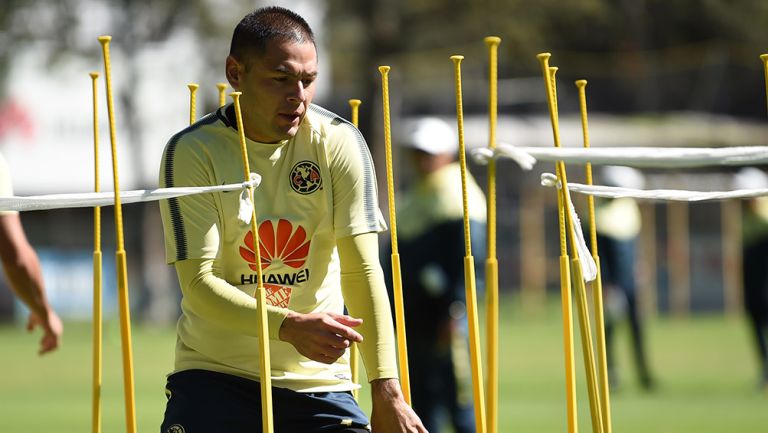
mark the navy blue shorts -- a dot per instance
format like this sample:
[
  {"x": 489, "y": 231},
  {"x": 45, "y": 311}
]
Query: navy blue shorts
[{"x": 201, "y": 401}]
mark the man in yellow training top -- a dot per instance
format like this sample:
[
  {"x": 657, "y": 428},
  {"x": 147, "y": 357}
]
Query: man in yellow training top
[
  {"x": 431, "y": 236},
  {"x": 318, "y": 225},
  {"x": 618, "y": 224}
]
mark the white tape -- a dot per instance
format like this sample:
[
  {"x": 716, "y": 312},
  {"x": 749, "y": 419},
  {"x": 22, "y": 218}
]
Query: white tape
[
  {"x": 245, "y": 211},
  {"x": 93, "y": 199},
  {"x": 660, "y": 157},
  {"x": 588, "y": 265},
  {"x": 550, "y": 180}
]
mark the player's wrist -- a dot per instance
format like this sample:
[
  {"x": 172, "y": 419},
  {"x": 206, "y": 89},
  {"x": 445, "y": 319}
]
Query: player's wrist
[
  {"x": 386, "y": 390},
  {"x": 284, "y": 334}
]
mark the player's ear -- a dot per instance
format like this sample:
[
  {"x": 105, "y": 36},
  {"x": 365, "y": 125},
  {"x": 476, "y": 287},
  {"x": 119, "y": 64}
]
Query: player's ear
[{"x": 233, "y": 70}]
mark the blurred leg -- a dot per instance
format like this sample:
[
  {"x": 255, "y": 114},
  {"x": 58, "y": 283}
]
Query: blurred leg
[
  {"x": 425, "y": 383},
  {"x": 756, "y": 301},
  {"x": 459, "y": 387},
  {"x": 638, "y": 345},
  {"x": 610, "y": 327}
]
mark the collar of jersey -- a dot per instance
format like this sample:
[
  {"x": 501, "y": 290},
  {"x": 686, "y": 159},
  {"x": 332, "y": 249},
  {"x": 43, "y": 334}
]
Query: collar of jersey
[{"x": 227, "y": 115}]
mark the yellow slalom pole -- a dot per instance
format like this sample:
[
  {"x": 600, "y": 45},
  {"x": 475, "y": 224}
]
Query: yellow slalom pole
[
  {"x": 469, "y": 266},
  {"x": 764, "y": 58},
  {"x": 265, "y": 369},
  {"x": 397, "y": 281},
  {"x": 597, "y": 289},
  {"x": 582, "y": 307},
  {"x": 354, "y": 359},
  {"x": 97, "y": 318},
  {"x": 192, "y": 101},
  {"x": 120, "y": 256},
  {"x": 580, "y": 290},
  {"x": 491, "y": 262},
  {"x": 565, "y": 278},
  {"x": 222, "y": 88}
]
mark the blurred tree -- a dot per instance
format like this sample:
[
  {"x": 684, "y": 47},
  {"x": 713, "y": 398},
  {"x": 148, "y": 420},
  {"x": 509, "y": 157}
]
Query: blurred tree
[
  {"x": 61, "y": 30},
  {"x": 639, "y": 55}
]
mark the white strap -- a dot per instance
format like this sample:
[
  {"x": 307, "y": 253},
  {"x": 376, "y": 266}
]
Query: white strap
[
  {"x": 550, "y": 180},
  {"x": 588, "y": 265},
  {"x": 245, "y": 211},
  {"x": 93, "y": 199},
  {"x": 661, "y": 157}
]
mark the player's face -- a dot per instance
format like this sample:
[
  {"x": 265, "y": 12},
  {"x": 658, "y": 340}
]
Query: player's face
[
  {"x": 425, "y": 163},
  {"x": 277, "y": 87}
]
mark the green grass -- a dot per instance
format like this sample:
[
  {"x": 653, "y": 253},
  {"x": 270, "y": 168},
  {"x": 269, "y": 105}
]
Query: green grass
[{"x": 705, "y": 368}]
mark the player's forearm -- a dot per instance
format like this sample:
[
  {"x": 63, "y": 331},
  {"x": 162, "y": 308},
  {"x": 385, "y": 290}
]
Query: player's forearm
[
  {"x": 209, "y": 296},
  {"x": 365, "y": 296},
  {"x": 26, "y": 280},
  {"x": 22, "y": 266}
]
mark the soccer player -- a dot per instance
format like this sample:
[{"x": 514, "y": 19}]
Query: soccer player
[
  {"x": 22, "y": 269},
  {"x": 431, "y": 236},
  {"x": 618, "y": 225},
  {"x": 318, "y": 225},
  {"x": 754, "y": 228}
]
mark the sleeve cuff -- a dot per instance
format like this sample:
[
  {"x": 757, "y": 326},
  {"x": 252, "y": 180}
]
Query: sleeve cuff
[
  {"x": 382, "y": 373},
  {"x": 275, "y": 317}
]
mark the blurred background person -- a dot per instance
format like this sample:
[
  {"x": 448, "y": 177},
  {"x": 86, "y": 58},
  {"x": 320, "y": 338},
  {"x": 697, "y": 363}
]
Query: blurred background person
[
  {"x": 755, "y": 263},
  {"x": 431, "y": 244},
  {"x": 23, "y": 272},
  {"x": 618, "y": 225}
]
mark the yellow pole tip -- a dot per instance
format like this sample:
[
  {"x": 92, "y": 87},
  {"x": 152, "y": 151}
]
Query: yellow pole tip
[
  {"x": 492, "y": 40},
  {"x": 94, "y": 75},
  {"x": 764, "y": 57},
  {"x": 235, "y": 94},
  {"x": 355, "y": 102},
  {"x": 221, "y": 86},
  {"x": 384, "y": 69},
  {"x": 457, "y": 57},
  {"x": 553, "y": 69},
  {"x": 581, "y": 83},
  {"x": 542, "y": 56},
  {"x": 193, "y": 86},
  {"x": 104, "y": 39}
]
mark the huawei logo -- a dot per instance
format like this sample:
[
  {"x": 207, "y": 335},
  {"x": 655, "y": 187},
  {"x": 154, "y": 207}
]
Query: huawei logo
[{"x": 277, "y": 245}]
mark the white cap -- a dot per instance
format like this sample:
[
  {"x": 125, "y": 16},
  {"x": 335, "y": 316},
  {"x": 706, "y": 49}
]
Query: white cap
[
  {"x": 750, "y": 178},
  {"x": 622, "y": 177},
  {"x": 431, "y": 135}
]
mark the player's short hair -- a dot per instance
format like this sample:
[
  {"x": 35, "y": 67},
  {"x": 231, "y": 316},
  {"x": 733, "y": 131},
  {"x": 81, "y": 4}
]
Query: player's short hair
[{"x": 258, "y": 28}]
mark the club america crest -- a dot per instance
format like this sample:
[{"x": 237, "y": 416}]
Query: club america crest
[{"x": 305, "y": 177}]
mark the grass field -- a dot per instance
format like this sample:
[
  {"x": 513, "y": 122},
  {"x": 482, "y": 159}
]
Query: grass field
[{"x": 705, "y": 368}]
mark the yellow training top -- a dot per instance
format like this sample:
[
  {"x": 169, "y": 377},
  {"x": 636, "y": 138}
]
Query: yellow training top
[
  {"x": 436, "y": 198},
  {"x": 618, "y": 218},
  {"x": 317, "y": 187}
]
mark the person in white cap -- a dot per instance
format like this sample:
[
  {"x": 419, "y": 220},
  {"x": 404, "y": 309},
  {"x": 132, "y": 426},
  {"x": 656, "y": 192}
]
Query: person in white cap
[
  {"x": 755, "y": 263},
  {"x": 618, "y": 224},
  {"x": 431, "y": 243}
]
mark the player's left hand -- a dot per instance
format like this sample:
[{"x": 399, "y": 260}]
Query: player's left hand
[
  {"x": 322, "y": 337},
  {"x": 390, "y": 413}
]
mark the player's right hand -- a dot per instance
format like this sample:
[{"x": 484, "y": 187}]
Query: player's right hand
[
  {"x": 52, "y": 330},
  {"x": 321, "y": 337}
]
